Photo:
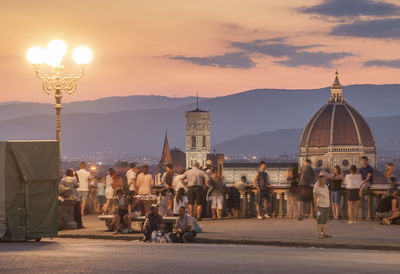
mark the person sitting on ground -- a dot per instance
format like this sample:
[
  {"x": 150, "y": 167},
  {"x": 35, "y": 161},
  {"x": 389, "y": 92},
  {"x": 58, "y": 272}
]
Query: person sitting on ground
[
  {"x": 121, "y": 208},
  {"x": 353, "y": 182},
  {"x": 180, "y": 200},
  {"x": 395, "y": 218},
  {"x": 137, "y": 208},
  {"x": 184, "y": 227},
  {"x": 321, "y": 199},
  {"x": 152, "y": 223}
]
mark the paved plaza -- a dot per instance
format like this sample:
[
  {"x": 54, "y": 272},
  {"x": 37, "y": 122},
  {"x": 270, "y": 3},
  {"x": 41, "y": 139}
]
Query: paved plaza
[
  {"x": 275, "y": 231},
  {"x": 99, "y": 256}
]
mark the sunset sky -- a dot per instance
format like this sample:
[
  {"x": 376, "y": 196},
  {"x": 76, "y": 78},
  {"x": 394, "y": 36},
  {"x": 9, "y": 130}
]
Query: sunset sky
[{"x": 178, "y": 47}]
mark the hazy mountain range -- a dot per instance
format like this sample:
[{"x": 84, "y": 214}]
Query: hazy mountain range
[{"x": 267, "y": 121}]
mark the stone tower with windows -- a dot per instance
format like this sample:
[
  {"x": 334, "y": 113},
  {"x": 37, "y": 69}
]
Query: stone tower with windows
[{"x": 197, "y": 136}]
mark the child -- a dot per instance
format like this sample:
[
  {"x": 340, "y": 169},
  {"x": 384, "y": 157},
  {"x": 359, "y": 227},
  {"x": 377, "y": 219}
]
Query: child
[
  {"x": 163, "y": 203},
  {"x": 101, "y": 196},
  {"x": 180, "y": 200},
  {"x": 321, "y": 199}
]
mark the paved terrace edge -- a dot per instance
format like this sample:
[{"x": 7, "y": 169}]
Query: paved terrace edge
[{"x": 201, "y": 240}]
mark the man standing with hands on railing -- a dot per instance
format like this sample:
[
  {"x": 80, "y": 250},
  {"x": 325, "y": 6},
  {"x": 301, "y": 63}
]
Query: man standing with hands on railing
[{"x": 261, "y": 183}]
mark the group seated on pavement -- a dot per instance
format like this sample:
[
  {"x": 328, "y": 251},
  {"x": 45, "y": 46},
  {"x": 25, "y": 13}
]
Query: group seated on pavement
[{"x": 155, "y": 227}]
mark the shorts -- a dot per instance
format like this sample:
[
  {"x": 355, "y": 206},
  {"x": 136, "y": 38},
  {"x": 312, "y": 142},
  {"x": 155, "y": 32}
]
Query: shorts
[
  {"x": 353, "y": 195},
  {"x": 364, "y": 187},
  {"x": 323, "y": 215},
  {"x": 217, "y": 202},
  {"x": 336, "y": 196},
  {"x": 122, "y": 213},
  {"x": 195, "y": 194},
  {"x": 102, "y": 200},
  {"x": 263, "y": 194},
  {"x": 83, "y": 195}
]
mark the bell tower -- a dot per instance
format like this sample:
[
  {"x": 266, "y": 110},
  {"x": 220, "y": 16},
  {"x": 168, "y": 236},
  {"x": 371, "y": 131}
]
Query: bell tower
[{"x": 197, "y": 136}]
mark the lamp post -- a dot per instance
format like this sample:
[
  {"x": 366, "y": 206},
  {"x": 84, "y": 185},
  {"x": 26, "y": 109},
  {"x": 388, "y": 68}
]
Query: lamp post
[{"x": 55, "y": 81}]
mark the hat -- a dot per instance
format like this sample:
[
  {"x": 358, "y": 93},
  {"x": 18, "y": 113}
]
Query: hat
[{"x": 209, "y": 163}]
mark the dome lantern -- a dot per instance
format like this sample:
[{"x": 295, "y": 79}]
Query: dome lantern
[{"x": 336, "y": 91}]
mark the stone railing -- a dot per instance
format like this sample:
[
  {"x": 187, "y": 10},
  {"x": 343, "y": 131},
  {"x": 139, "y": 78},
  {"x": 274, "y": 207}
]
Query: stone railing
[{"x": 280, "y": 192}]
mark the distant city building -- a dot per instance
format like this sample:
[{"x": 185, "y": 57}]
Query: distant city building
[
  {"x": 232, "y": 172},
  {"x": 337, "y": 135},
  {"x": 197, "y": 136},
  {"x": 174, "y": 156},
  {"x": 166, "y": 157}
]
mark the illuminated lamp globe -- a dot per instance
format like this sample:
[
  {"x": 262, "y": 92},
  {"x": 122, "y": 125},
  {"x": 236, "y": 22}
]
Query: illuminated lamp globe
[
  {"x": 53, "y": 59},
  {"x": 57, "y": 47},
  {"x": 36, "y": 55},
  {"x": 55, "y": 52},
  {"x": 82, "y": 55}
]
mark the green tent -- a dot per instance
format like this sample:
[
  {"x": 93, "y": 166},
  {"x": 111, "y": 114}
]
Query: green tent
[{"x": 28, "y": 190}]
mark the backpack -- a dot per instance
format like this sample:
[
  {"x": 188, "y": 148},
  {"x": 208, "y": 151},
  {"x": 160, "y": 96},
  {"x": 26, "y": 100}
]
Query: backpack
[{"x": 385, "y": 204}]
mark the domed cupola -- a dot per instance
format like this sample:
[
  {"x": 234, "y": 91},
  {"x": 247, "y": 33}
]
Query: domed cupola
[{"x": 336, "y": 128}]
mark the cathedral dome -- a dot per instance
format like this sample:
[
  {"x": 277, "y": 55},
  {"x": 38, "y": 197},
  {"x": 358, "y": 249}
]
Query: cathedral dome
[{"x": 337, "y": 124}]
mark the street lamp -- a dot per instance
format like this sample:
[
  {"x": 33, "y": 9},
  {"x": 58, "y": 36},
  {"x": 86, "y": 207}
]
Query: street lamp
[{"x": 55, "y": 82}]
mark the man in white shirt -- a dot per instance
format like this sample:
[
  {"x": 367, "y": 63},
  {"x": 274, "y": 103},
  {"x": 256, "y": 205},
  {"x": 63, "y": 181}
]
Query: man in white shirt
[
  {"x": 84, "y": 179},
  {"x": 197, "y": 182},
  {"x": 178, "y": 181},
  {"x": 131, "y": 177},
  {"x": 144, "y": 182}
]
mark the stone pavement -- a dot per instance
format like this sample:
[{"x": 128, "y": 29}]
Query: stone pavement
[{"x": 275, "y": 231}]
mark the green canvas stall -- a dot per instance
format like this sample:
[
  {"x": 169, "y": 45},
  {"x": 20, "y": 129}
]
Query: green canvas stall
[{"x": 28, "y": 190}]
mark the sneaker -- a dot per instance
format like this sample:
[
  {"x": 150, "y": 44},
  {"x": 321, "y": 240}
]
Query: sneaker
[
  {"x": 350, "y": 222},
  {"x": 267, "y": 216},
  {"x": 259, "y": 217}
]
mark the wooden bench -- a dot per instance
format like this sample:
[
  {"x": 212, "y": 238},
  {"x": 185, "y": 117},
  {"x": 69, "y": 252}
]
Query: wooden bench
[{"x": 168, "y": 221}]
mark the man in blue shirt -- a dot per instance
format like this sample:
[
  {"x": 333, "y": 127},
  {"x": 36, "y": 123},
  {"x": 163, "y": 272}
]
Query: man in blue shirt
[{"x": 367, "y": 175}]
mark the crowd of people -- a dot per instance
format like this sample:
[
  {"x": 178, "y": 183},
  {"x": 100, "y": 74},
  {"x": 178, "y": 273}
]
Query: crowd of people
[
  {"x": 199, "y": 191},
  {"x": 123, "y": 193},
  {"x": 327, "y": 188}
]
